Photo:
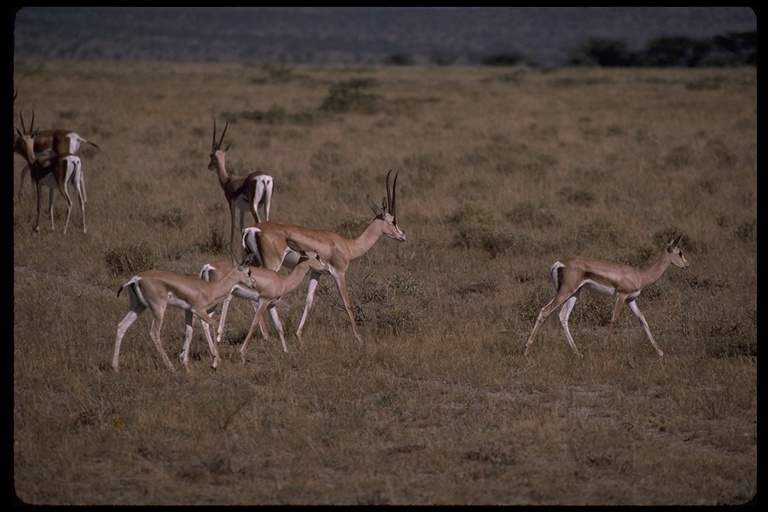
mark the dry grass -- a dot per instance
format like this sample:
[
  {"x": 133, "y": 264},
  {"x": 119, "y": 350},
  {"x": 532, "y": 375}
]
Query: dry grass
[{"x": 500, "y": 174}]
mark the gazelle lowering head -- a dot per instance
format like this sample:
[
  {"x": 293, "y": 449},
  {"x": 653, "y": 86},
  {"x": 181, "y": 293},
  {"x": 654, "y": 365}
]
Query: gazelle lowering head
[
  {"x": 623, "y": 282},
  {"x": 267, "y": 289}
]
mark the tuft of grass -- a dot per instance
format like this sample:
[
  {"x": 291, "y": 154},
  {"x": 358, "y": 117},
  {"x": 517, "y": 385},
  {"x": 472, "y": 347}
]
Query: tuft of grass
[{"x": 130, "y": 258}]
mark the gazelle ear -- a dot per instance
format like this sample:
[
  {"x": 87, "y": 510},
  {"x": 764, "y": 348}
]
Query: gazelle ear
[
  {"x": 376, "y": 210},
  {"x": 673, "y": 242}
]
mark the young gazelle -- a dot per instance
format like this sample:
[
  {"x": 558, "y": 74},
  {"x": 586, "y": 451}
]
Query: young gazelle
[
  {"x": 244, "y": 193},
  {"x": 52, "y": 171},
  {"x": 270, "y": 242},
  {"x": 267, "y": 290},
  {"x": 623, "y": 282},
  {"x": 158, "y": 289}
]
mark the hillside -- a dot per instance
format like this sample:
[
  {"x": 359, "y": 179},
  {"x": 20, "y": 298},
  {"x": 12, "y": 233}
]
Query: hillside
[{"x": 325, "y": 35}]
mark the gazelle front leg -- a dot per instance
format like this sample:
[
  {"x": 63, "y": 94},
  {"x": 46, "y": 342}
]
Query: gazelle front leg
[
  {"x": 633, "y": 307},
  {"x": 565, "y": 313},
  {"x": 314, "y": 277}
]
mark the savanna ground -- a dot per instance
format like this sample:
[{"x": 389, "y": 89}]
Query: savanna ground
[{"x": 501, "y": 173}]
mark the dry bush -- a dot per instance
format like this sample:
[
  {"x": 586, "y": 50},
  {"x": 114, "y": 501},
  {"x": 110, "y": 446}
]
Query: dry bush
[{"x": 498, "y": 179}]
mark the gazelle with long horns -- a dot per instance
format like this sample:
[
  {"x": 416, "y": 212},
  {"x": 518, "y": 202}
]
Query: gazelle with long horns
[
  {"x": 47, "y": 143},
  {"x": 243, "y": 193},
  {"x": 52, "y": 171},
  {"x": 569, "y": 276},
  {"x": 270, "y": 242}
]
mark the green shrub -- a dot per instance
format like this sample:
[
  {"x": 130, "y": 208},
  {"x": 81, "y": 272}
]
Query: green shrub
[
  {"x": 347, "y": 97},
  {"x": 745, "y": 231},
  {"x": 172, "y": 217},
  {"x": 216, "y": 242},
  {"x": 577, "y": 196},
  {"x": 130, "y": 258},
  {"x": 679, "y": 157}
]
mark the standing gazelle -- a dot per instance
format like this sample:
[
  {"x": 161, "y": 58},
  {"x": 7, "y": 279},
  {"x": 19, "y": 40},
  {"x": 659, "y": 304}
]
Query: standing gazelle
[
  {"x": 244, "y": 193},
  {"x": 270, "y": 242},
  {"x": 52, "y": 171},
  {"x": 158, "y": 289},
  {"x": 623, "y": 282},
  {"x": 47, "y": 143}
]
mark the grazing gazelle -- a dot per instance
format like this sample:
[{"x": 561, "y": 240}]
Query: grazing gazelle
[
  {"x": 47, "y": 143},
  {"x": 267, "y": 290},
  {"x": 158, "y": 289},
  {"x": 53, "y": 171},
  {"x": 623, "y": 282},
  {"x": 270, "y": 243},
  {"x": 244, "y": 193}
]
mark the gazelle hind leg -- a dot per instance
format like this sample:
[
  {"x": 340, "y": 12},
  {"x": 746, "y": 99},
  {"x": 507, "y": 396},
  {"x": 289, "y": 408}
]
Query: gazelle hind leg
[
  {"x": 136, "y": 310},
  {"x": 543, "y": 314}
]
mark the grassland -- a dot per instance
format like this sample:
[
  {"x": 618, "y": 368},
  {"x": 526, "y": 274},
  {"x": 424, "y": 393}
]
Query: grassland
[{"x": 501, "y": 172}]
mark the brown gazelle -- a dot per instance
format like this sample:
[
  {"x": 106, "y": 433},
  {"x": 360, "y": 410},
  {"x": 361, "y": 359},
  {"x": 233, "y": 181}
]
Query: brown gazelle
[
  {"x": 244, "y": 193},
  {"x": 158, "y": 289},
  {"x": 265, "y": 293},
  {"x": 47, "y": 143},
  {"x": 270, "y": 242},
  {"x": 54, "y": 171},
  {"x": 623, "y": 282}
]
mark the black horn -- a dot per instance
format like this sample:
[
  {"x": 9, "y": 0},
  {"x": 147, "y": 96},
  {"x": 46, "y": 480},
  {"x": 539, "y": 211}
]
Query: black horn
[
  {"x": 391, "y": 194},
  {"x": 222, "y": 133},
  {"x": 214, "y": 145}
]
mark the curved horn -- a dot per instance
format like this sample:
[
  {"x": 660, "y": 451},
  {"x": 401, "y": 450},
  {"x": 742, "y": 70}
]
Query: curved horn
[
  {"x": 389, "y": 194},
  {"x": 31, "y": 126},
  {"x": 213, "y": 140},
  {"x": 222, "y": 133},
  {"x": 392, "y": 203}
]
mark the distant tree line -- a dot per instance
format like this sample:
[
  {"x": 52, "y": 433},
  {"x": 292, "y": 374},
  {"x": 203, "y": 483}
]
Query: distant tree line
[{"x": 730, "y": 50}]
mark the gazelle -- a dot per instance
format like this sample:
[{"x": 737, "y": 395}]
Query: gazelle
[
  {"x": 47, "y": 143},
  {"x": 158, "y": 289},
  {"x": 244, "y": 193},
  {"x": 623, "y": 282},
  {"x": 53, "y": 171},
  {"x": 267, "y": 290},
  {"x": 270, "y": 242}
]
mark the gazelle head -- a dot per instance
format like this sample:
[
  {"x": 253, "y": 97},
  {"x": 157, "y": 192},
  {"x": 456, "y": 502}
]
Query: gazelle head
[
  {"x": 25, "y": 140},
  {"x": 675, "y": 253},
  {"x": 315, "y": 262},
  {"x": 387, "y": 212},
  {"x": 217, "y": 154}
]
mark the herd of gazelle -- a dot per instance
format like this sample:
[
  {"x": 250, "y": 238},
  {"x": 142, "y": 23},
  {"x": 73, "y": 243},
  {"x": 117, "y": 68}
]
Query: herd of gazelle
[
  {"x": 52, "y": 162},
  {"x": 270, "y": 245}
]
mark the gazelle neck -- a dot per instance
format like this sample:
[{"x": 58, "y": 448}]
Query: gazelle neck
[
  {"x": 654, "y": 272},
  {"x": 367, "y": 239}
]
